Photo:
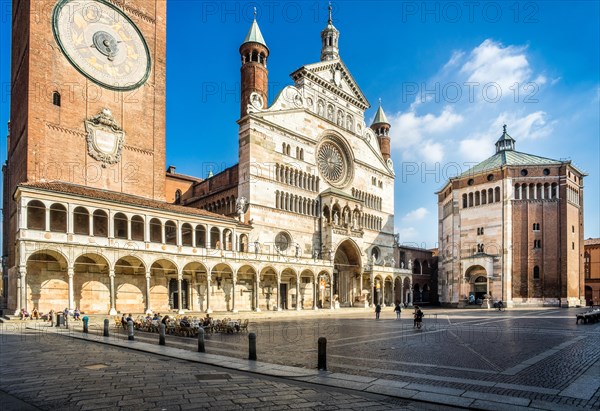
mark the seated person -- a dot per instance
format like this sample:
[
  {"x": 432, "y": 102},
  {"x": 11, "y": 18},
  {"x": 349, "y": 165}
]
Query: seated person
[
  {"x": 35, "y": 315},
  {"x": 24, "y": 314},
  {"x": 76, "y": 314},
  {"x": 156, "y": 317},
  {"x": 185, "y": 322}
]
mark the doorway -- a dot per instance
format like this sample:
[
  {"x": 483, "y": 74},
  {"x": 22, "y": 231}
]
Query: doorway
[{"x": 283, "y": 293}]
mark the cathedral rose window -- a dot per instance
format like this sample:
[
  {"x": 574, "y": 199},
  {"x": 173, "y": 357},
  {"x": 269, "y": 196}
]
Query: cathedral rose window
[{"x": 333, "y": 163}]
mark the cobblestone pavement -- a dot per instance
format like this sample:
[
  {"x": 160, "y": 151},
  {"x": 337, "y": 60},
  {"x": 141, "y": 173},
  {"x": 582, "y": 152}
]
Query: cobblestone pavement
[
  {"x": 529, "y": 358},
  {"x": 53, "y": 372}
]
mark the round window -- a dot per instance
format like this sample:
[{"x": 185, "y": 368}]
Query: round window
[
  {"x": 333, "y": 163},
  {"x": 282, "y": 241},
  {"x": 470, "y": 182},
  {"x": 490, "y": 177},
  {"x": 524, "y": 172},
  {"x": 546, "y": 171}
]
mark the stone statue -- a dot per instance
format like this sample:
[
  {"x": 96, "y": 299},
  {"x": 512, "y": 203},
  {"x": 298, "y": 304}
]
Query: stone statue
[
  {"x": 410, "y": 264},
  {"x": 297, "y": 250},
  {"x": 330, "y": 113},
  {"x": 346, "y": 217},
  {"x": 315, "y": 254},
  {"x": 393, "y": 262},
  {"x": 256, "y": 248},
  {"x": 336, "y": 218},
  {"x": 240, "y": 207},
  {"x": 401, "y": 264},
  {"x": 321, "y": 108}
]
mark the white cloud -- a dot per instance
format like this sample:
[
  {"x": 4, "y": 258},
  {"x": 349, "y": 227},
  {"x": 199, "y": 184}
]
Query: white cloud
[
  {"x": 416, "y": 215},
  {"x": 407, "y": 234},
  {"x": 491, "y": 62}
]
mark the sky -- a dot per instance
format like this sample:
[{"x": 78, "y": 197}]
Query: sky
[{"x": 449, "y": 74}]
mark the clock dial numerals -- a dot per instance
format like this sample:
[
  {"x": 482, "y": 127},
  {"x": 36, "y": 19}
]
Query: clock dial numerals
[{"x": 102, "y": 43}]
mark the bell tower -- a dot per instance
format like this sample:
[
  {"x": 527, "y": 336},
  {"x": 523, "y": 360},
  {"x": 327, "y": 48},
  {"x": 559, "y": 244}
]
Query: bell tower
[
  {"x": 330, "y": 37},
  {"x": 255, "y": 76},
  {"x": 381, "y": 127}
]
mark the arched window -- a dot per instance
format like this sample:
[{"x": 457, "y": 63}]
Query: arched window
[
  {"x": 178, "y": 197},
  {"x": 120, "y": 222},
  {"x": 497, "y": 194},
  {"x": 36, "y": 215},
  {"x": 58, "y": 218},
  {"x": 56, "y": 98},
  {"x": 186, "y": 235},
  {"x": 200, "y": 236},
  {"x": 215, "y": 238},
  {"x": 464, "y": 199},
  {"x": 536, "y": 273},
  {"x": 81, "y": 221},
  {"x": 170, "y": 233},
  {"x": 137, "y": 228},
  {"x": 100, "y": 223},
  {"x": 155, "y": 231}
]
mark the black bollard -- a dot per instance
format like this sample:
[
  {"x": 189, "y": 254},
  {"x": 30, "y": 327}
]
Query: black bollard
[
  {"x": 252, "y": 346},
  {"x": 161, "y": 334},
  {"x": 58, "y": 316},
  {"x": 322, "y": 359},
  {"x": 130, "y": 332},
  {"x": 201, "y": 340},
  {"x": 85, "y": 324},
  {"x": 106, "y": 325}
]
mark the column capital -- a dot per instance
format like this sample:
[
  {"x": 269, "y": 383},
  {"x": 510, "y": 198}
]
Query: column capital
[{"x": 111, "y": 272}]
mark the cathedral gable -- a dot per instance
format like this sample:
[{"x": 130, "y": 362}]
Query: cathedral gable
[{"x": 334, "y": 76}]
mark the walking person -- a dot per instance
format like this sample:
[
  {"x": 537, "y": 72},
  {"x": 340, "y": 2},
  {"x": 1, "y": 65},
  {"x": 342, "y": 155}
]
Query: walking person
[
  {"x": 398, "y": 310},
  {"x": 377, "y": 311},
  {"x": 415, "y": 316},
  {"x": 418, "y": 317}
]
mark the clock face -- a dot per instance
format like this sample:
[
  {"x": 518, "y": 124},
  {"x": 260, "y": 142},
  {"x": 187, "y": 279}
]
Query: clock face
[
  {"x": 333, "y": 164},
  {"x": 102, "y": 43}
]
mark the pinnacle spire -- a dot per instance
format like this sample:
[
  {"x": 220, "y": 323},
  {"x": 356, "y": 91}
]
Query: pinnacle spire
[
  {"x": 254, "y": 34},
  {"x": 329, "y": 39},
  {"x": 380, "y": 117}
]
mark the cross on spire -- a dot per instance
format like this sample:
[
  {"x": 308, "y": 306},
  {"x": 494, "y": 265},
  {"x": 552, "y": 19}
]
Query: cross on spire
[
  {"x": 254, "y": 12},
  {"x": 505, "y": 128},
  {"x": 330, "y": 16}
]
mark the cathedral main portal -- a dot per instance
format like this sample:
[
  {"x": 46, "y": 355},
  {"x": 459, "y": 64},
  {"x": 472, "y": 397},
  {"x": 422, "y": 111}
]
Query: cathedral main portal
[{"x": 347, "y": 274}]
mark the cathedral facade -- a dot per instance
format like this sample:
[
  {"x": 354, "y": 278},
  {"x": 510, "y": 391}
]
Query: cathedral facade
[
  {"x": 511, "y": 230},
  {"x": 92, "y": 220}
]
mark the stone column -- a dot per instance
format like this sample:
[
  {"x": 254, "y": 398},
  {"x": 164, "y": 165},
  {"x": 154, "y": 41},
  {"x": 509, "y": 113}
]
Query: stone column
[
  {"x": 47, "y": 223},
  {"x": 410, "y": 291},
  {"x": 298, "y": 299},
  {"x": 111, "y": 224},
  {"x": 315, "y": 292},
  {"x": 23, "y": 291},
  {"x": 193, "y": 236},
  {"x": 146, "y": 229},
  {"x": 113, "y": 305},
  {"x": 401, "y": 291},
  {"x": 148, "y": 277},
  {"x": 373, "y": 290},
  {"x": 233, "y": 280},
  {"x": 19, "y": 293},
  {"x": 179, "y": 299},
  {"x": 278, "y": 292},
  {"x": 208, "y": 280},
  {"x": 129, "y": 228},
  {"x": 91, "y": 224},
  {"x": 71, "y": 273},
  {"x": 383, "y": 293},
  {"x": 162, "y": 233},
  {"x": 70, "y": 218},
  {"x": 331, "y": 292},
  {"x": 257, "y": 289},
  {"x": 178, "y": 234}
]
